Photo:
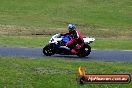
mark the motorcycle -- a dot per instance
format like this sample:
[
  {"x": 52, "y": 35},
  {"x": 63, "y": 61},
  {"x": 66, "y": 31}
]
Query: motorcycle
[{"x": 57, "y": 45}]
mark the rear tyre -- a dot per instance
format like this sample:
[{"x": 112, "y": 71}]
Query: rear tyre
[
  {"x": 85, "y": 51},
  {"x": 48, "y": 50}
]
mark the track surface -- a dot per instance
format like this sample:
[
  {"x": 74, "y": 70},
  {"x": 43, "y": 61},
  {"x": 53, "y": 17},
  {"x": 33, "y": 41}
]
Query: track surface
[{"x": 100, "y": 55}]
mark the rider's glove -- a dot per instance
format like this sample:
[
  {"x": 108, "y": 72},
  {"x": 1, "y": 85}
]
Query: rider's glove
[{"x": 66, "y": 45}]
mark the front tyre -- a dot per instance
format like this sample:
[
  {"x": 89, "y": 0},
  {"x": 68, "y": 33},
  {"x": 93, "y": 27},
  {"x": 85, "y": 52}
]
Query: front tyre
[{"x": 48, "y": 50}]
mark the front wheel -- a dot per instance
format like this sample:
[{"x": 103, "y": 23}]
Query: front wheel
[
  {"x": 48, "y": 50},
  {"x": 85, "y": 51}
]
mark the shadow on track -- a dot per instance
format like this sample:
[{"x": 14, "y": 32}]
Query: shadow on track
[{"x": 70, "y": 57}]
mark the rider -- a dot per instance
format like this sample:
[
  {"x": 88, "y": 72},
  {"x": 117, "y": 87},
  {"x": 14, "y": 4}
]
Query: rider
[{"x": 76, "y": 37}]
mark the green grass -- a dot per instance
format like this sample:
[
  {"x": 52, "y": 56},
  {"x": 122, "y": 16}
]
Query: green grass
[
  {"x": 107, "y": 43},
  {"x": 54, "y": 14},
  {"x": 20, "y": 41},
  {"x": 55, "y": 72},
  {"x": 117, "y": 44},
  {"x": 47, "y": 13}
]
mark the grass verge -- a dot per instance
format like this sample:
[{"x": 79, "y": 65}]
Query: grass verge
[
  {"x": 100, "y": 43},
  {"x": 55, "y": 72}
]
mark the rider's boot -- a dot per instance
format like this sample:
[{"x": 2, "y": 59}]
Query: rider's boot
[{"x": 73, "y": 51}]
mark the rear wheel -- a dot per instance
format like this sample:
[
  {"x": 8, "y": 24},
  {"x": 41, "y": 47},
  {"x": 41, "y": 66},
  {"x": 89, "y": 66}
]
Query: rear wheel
[
  {"x": 85, "y": 51},
  {"x": 48, "y": 50}
]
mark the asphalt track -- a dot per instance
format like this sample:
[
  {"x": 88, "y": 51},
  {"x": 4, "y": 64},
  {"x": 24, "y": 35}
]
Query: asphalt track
[{"x": 98, "y": 55}]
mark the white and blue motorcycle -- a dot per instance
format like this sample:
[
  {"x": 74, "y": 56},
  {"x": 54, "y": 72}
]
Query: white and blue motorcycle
[{"x": 57, "y": 45}]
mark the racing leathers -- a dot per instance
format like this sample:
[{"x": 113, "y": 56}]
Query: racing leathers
[{"x": 76, "y": 38}]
